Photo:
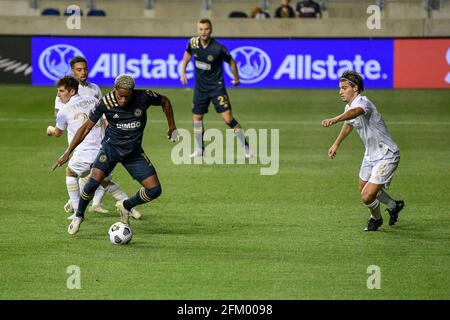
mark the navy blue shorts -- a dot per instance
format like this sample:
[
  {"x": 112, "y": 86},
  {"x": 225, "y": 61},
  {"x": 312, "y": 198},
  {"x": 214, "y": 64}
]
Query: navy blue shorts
[
  {"x": 136, "y": 163},
  {"x": 202, "y": 100}
]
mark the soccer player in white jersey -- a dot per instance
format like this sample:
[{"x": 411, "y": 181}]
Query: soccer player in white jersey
[
  {"x": 79, "y": 69},
  {"x": 382, "y": 154},
  {"x": 72, "y": 115}
]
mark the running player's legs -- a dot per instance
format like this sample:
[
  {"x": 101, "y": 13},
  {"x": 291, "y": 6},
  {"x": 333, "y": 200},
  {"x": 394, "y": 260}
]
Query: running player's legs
[
  {"x": 368, "y": 192},
  {"x": 223, "y": 107},
  {"x": 75, "y": 168},
  {"x": 141, "y": 169},
  {"x": 374, "y": 177},
  {"x": 101, "y": 168},
  {"x": 383, "y": 173}
]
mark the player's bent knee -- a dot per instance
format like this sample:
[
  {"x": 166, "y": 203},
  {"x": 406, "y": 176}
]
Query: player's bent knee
[
  {"x": 150, "y": 194},
  {"x": 97, "y": 174},
  {"x": 367, "y": 198}
]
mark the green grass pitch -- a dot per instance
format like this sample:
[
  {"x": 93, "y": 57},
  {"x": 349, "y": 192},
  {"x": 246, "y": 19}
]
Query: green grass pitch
[{"x": 225, "y": 231}]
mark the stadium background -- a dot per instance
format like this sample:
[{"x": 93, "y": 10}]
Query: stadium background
[{"x": 224, "y": 232}]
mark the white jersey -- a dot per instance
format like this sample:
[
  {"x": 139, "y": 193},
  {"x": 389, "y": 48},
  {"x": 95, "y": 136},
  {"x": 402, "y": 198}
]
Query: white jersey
[
  {"x": 90, "y": 89},
  {"x": 372, "y": 129},
  {"x": 72, "y": 116}
]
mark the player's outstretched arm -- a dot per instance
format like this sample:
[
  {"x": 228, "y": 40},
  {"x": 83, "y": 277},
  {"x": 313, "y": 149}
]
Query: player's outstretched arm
[
  {"x": 77, "y": 139},
  {"x": 348, "y": 115},
  {"x": 186, "y": 58},
  {"x": 346, "y": 129},
  {"x": 236, "y": 81},
  {"x": 168, "y": 110}
]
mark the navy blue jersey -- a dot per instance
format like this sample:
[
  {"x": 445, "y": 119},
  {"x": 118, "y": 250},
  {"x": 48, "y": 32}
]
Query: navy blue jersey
[
  {"x": 208, "y": 64},
  {"x": 126, "y": 124}
]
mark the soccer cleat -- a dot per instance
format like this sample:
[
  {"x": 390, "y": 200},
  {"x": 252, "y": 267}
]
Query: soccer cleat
[
  {"x": 197, "y": 153},
  {"x": 73, "y": 215},
  {"x": 135, "y": 214},
  {"x": 394, "y": 212},
  {"x": 124, "y": 213},
  {"x": 68, "y": 207},
  {"x": 98, "y": 209},
  {"x": 74, "y": 226},
  {"x": 373, "y": 224}
]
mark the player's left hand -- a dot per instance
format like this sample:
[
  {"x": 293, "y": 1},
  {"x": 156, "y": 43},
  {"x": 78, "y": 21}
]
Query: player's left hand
[
  {"x": 236, "y": 82},
  {"x": 172, "y": 134}
]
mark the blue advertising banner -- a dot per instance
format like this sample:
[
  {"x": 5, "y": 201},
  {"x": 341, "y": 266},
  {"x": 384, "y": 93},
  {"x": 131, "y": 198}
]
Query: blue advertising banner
[{"x": 262, "y": 63}]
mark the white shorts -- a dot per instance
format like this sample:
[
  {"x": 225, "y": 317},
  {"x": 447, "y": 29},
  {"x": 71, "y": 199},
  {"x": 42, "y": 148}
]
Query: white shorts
[
  {"x": 79, "y": 166},
  {"x": 380, "y": 171}
]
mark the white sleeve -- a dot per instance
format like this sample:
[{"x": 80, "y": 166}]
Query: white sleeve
[
  {"x": 365, "y": 105},
  {"x": 58, "y": 103},
  {"x": 61, "y": 120},
  {"x": 99, "y": 93}
]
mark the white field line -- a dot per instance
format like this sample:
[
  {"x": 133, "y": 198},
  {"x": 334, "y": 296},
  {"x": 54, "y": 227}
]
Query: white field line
[{"x": 272, "y": 122}]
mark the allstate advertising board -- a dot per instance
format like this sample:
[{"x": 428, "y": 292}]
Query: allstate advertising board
[{"x": 262, "y": 63}]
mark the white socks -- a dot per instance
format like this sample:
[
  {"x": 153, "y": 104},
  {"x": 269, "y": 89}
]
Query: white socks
[
  {"x": 198, "y": 136},
  {"x": 116, "y": 191},
  {"x": 241, "y": 137},
  {"x": 73, "y": 191},
  {"x": 98, "y": 195},
  {"x": 374, "y": 209},
  {"x": 386, "y": 199}
]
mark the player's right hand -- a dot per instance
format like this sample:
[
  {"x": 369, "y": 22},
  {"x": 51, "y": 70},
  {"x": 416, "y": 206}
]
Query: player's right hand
[
  {"x": 63, "y": 159},
  {"x": 183, "y": 79},
  {"x": 332, "y": 151},
  {"x": 50, "y": 130},
  {"x": 172, "y": 135},
  {"x": 329, "y": 122}
]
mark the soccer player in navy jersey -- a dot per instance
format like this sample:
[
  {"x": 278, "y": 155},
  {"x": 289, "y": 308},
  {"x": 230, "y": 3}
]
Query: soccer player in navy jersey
[
  {"x": 209, "y": 56},
  {"x": 125, "y": 108}
]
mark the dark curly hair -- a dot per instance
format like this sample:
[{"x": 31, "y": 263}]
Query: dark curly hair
[
  {"x": 68, "y": 82},
  {"x": 354, "y": 78}
]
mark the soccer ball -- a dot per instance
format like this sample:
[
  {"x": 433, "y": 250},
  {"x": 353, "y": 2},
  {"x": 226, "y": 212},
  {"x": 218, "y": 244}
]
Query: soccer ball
[{"x": 120, "y": 233}]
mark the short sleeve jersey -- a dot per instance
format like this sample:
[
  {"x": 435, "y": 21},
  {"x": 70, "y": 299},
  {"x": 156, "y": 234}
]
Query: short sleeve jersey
[
  {"x": 208, "y": 64},
  {"x": 126, "y": 124},
  {"x": 90, "y": 89},
  {"x": 372, "y": 129},
  {"x": 73, "y": 115}
]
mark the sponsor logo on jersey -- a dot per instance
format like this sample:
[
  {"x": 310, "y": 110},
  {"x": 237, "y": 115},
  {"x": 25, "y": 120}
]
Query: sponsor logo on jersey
[
  {"x": 128, "y": 125},
  {"x": 202, "y": 65}
]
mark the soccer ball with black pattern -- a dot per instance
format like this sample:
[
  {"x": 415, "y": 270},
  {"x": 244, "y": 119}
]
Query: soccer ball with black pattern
[{"x": 120, "y": 233}]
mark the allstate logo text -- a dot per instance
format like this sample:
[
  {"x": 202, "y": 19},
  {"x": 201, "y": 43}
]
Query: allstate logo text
[
  {"x": 253, "y": 64},
  {"x": 54, "y": 62}
]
